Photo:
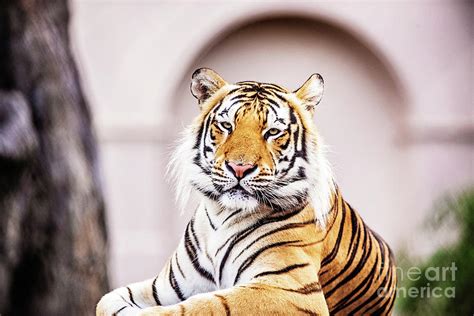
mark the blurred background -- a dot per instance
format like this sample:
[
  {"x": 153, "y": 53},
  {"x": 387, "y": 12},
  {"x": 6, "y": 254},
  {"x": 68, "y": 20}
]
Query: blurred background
[{"x": 397, "y": 112}]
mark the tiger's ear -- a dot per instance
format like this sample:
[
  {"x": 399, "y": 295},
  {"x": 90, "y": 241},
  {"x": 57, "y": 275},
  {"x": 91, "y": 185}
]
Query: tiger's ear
[
  {"x": 311, "y": 92},
  {"x": 204, "y": 83}
]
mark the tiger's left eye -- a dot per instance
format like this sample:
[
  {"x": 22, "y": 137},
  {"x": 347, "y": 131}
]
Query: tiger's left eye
[{"x": 272, "y": 132}]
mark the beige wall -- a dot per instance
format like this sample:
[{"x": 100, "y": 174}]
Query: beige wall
[{"x": 396, "y": 112}]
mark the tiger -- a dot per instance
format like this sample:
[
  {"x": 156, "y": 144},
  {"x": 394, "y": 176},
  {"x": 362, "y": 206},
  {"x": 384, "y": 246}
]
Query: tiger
[{"x": 272, "y": 234}]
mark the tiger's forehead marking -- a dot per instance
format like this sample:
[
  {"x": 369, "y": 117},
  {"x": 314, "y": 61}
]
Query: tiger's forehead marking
[{"x": 265, "y": 100}]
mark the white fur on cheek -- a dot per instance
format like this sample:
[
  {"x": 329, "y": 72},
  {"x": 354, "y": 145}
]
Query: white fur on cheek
[
  {"x": 322, "y": 186},
  {"x": 180, "y": 169}
]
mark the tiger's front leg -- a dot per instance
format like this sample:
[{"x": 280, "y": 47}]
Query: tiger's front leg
[
  {"x": 177, "y": 281},
  {"x": 281, "y": 288},
  {"x": 164, "y": 289},
  {"x": 256, "y": 298}
]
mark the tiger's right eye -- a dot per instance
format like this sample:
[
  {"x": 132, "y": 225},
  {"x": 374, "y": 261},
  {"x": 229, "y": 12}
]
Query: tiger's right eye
[{"x": 226, "y": 125}]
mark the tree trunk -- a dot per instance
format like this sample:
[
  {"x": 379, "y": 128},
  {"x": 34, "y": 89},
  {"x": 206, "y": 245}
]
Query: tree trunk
[{"x": 53, "y": 242}]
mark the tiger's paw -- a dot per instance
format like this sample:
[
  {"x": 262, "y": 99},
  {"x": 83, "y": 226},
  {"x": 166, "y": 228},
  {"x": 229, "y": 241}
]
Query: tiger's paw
[{"x": 111, "y": 304}]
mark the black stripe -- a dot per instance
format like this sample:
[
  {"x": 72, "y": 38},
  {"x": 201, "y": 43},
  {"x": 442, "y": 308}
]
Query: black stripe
[
  {"x": 296, "y": 154},
  {"x": 175, "y": 285},
  {"x": 121, "y": 309},
  {"x": 279, "y": 96},
  {"x": 197, "y": 160},
  {"x": 354, "y": 228},
  {"x": 269, "y": 106},
  {"x": 223, "y": 245},
  {"x": 155, "y": 292},
  {"x": 251, "y": 89},
  {"x": 287, "y": 143},
  {"x": 211, "y": 195},
  {"x": 272, "y": 102},
  {"x": 202, "y": 131},
  {"x": 233, "y": 90},
  {"x": 237, "y": 97},
  {"x": 381, "y": 244},
  {"x": 247, "y": 83},
  {"x": 248, "y": 262},
  {"x": 274, "y": 231},
  {"x": 224, "y": 303},
  {"x": 131, "y": 297},
  {"x": 300, "y": 152},
  {"x": 284, "y": 270},
  {"x": 272, "y": 86},
  {"x": 206, "y": 150},
  {"x": 310, "y": 288},
  {"x": 219, "y": 104},
  {"x": 191, "y": 251},
  {"x": 238, "y": 102},
  {"x": 123, "y": 299},
  {"x": 329, "y": 258},
  {"x": 193, "y": 233},
  {"x": 231, "y": 215},
  {"x": 210, "y": 221},
  {"x": 263, "y": 95},
  {"x": 198, "y": 138},
  {"x": 207, "y": 255},
  {"x": 178, "y": 265},
  {"x": 207, "y": 123}
]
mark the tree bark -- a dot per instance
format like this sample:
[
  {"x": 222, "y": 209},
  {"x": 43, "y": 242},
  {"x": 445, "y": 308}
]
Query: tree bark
[{"x": 53, "y": 241}]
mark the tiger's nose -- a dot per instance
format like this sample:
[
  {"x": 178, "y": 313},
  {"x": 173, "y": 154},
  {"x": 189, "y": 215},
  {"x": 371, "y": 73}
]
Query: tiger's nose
[{"x": 240, "y": 170}]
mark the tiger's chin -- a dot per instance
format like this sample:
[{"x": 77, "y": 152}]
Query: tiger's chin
[{"x": 238, "y": 199}]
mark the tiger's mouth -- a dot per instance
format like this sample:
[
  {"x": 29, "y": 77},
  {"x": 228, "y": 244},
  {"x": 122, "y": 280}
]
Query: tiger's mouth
[{"x": 238, "y": 189}]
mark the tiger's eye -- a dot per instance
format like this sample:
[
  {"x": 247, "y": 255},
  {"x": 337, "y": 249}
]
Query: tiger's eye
[
  {"x": 226, "y": 125},
  {"x": 273, "y": 131}
]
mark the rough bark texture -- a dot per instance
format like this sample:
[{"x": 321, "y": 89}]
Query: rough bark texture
[{"x": 53, "y": 243}]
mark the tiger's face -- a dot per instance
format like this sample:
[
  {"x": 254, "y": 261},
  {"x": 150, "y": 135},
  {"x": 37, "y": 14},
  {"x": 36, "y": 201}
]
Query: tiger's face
[{"x": 253, "y": 142}]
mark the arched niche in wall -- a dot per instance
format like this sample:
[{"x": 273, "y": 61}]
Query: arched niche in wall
[{"x": 360, "y": 117}]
